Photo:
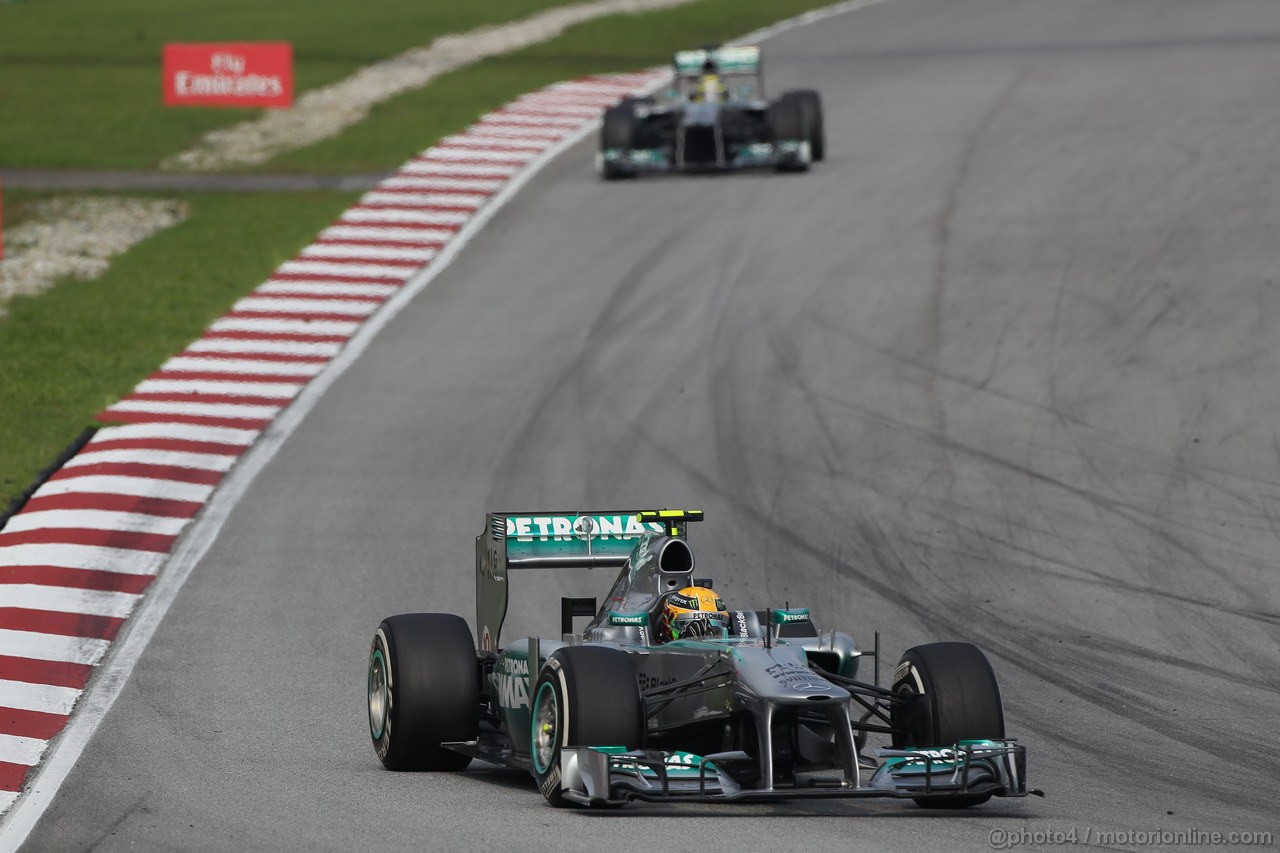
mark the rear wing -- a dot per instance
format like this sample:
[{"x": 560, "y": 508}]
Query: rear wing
[
  {"x": 557, "y": 540},
  {"x": 728, "y": 60}
]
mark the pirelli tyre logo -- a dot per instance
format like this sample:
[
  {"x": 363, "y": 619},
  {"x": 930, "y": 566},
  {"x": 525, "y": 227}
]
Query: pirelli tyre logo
[{"x": 551, "y": 782}]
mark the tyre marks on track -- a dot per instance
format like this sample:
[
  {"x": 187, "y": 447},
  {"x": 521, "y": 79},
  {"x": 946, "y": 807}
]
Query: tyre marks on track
[{"x": 80, "y": 556}]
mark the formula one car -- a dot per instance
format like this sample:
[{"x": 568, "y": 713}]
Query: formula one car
[
  {"x": 714, "y": 117},
  {"x": 755, "y": 705}
]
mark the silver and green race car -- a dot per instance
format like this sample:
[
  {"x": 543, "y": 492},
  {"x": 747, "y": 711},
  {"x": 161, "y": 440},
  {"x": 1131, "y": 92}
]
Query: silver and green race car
[
  {"x": 714, "y": 117},
  {"x": 773, "y": 708}
]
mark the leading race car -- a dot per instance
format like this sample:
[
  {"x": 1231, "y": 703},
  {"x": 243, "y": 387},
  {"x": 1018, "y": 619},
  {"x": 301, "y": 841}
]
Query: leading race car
[
  {"x": 668, "y": 695},
  {"x": 714, "y": 117}
]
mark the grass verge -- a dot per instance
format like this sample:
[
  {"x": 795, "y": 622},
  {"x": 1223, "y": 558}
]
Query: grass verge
[{"x": 67, "y": 354}]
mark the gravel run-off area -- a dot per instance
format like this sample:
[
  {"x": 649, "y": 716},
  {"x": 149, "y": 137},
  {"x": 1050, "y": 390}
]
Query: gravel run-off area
[{"x": 76, "y": 237}]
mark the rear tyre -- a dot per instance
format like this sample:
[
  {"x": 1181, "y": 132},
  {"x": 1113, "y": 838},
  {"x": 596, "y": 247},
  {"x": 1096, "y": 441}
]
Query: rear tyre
[
  {"x": 618, "y": 132},
  {"x": 423, "y": 688},
  {"x": 815, "y": 130},
  {"x": 584, "y": 696},
  {"x": 786, "y": 124},
  {"x": 960, "y": 701}
]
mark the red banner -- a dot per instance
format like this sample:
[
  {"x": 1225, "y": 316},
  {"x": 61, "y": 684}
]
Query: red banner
[{"x": 229, "y": 74}]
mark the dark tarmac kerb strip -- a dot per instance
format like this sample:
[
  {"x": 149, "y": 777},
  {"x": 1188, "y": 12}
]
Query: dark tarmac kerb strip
[{"x": 85, "y": 180}]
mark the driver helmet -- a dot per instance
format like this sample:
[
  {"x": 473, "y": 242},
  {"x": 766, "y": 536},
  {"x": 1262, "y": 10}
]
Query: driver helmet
[
  {"x": 710, "y": 88},
  {"x": 693, "y": 612}
]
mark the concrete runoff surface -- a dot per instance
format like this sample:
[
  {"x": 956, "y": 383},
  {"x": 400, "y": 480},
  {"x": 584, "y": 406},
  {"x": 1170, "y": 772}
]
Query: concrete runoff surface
[{"x": 1001, "y": 369}]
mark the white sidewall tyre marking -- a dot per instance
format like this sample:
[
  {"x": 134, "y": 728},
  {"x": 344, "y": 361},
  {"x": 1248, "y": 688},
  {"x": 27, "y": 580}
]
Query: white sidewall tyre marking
[
  {"x": 381, "y": 638},
  {"x": 564, "y": 711}
]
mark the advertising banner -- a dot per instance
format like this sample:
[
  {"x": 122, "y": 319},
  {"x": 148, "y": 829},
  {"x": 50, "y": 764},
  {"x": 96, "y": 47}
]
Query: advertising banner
[{"x": 228, "y": 74}]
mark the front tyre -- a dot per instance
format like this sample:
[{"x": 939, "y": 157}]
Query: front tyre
[
  {"x": 814, "y": 127},
  {"x": 423, "y": 689},
  {"x": 786, "y": 121},
  {"x": 618, "y": 134},
  {"x": 958, "y": 700},
  {"x": 584, "y": 696}
]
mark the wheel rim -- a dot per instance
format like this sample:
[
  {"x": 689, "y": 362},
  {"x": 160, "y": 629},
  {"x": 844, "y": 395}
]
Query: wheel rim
[
  {"x": 906, "y": 691},
  {"x": 546, "y": 725},
  {"x": 379, "y": 701}
]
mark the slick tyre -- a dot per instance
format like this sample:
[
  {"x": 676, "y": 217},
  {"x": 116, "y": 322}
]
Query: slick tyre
[
  {"x": 960, "y": 701},
  {"x": 814, "y": 127},
  {"x": 423, "y": 689},
  {"x": 618, "y": 132},
  {"x": 786, "y": 124},
  {"x": 584, "y": 696}
]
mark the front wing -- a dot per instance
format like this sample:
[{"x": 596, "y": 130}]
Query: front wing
[
  {"x": 757, "y": 156},
  {"x": 603, "y": 775}
]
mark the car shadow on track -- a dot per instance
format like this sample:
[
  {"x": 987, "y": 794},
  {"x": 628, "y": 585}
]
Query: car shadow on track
[
  {"x": 708, "y": 175},
  {"x": 763, "y": 811}
]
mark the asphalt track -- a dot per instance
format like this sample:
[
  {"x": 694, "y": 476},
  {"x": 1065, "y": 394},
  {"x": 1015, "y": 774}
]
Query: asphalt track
[{"x": 1001, "y": 369}]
